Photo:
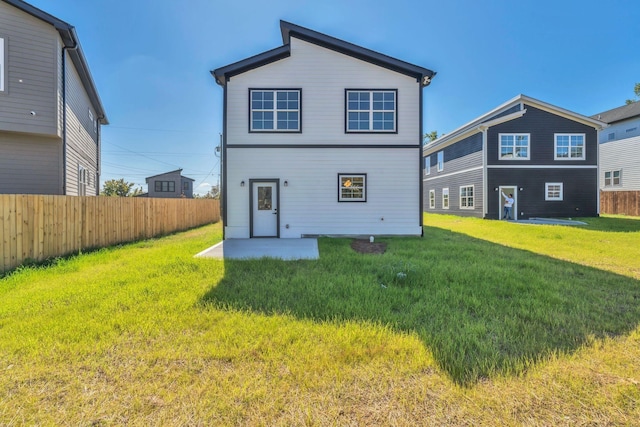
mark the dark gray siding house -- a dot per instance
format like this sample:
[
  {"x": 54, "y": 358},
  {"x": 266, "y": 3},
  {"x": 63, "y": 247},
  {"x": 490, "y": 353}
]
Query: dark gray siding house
[
  {"x": 50, "y": 111},
  {"x": 546, "y": 156},
  {"x": 170, "y": 185}
]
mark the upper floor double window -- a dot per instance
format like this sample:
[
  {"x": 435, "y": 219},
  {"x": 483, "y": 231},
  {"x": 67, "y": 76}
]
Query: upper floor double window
[
  {"x": 275, "y": 110},
  {"x": 371, "y": 110},
  {"x": 514, "y": 146},
  {"x": 569, "y": 146}
]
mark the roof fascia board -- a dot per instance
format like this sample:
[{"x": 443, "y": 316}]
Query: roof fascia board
[
  {"x": 421, "y": 74},
  {"x": 502, "y": 119},
  {"x": 167, "y": 173},
  {"x": 475, "y": 125},
  {"x": 471, "y": 127},
  {"x": 597, "y": 124},
  {"x": 475, "y": 129},
  {"x": 223, "y": 74},
  {"x": 40, "y": 14}
]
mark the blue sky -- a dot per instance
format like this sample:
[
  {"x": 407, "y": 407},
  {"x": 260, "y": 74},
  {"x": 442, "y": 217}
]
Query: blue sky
[{"x": 151, "y": 61}]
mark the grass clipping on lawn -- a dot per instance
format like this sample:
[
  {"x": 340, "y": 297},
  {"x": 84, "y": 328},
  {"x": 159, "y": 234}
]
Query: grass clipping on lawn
[{"x": 448, "y": 329}]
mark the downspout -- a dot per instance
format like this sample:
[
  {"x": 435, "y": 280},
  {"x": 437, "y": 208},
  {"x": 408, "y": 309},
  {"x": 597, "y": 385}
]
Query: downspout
[
  {"x": 98, "y": 148},
  {"x": 223, "y": 161},
  {"x": 421, "y": 162},
  {"x": 485, "y": 183},
  {"x": 64, "y": 115}
]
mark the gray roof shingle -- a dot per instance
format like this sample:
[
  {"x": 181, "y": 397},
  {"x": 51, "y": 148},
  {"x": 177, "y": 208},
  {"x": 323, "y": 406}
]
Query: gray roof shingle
[{"x": 619, "y": 114}]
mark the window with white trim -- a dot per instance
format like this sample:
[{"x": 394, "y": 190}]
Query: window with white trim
[
  {"x": 440, "y": 161},
  {"x": 617, "y": 177},
  {"x": 467, "y": 197},
  {"x": 569, "y": 146},
  {"x": 82, "y": 181},
  {"x": 94, "y": 123},
  {"x": 274, "y": 110},
  {"x": 432, "y": 199},
  {"x": 553, "y": 191},
  {"x": 612, "y": 178},
  {"x": 352, "y": 187},
  {"x": 445, "y": 198},
  {"x": 514, "y": 146},
  {"x": 427, "y": 165},
  {"x": 2, "y": 64},
  {"x": 371, "y": 110}
]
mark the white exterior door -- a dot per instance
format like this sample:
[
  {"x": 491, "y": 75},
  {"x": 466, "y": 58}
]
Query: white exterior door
[
  {"x": 264, "y": 212},
  {"x": 508, "y": 189}
]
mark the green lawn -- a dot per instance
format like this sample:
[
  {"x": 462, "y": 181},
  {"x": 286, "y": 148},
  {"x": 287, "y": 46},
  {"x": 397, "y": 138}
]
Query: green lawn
[{"x": 477, "y": 323}]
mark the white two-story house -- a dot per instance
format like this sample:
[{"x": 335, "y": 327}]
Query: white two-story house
[
  {"x": 50, "y": 111},
  {"x": 321, "y": 137},
  {"x": 620, "y": 148}
]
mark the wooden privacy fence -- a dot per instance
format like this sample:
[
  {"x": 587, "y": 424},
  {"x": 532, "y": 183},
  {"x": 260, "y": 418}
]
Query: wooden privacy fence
[
  {"x": 35, "y": 227},
  {"x": 620, "y": 202}
]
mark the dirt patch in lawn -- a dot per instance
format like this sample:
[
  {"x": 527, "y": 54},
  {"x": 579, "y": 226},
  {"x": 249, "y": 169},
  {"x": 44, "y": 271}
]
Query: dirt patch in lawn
[{"x": 365, "y": 247}]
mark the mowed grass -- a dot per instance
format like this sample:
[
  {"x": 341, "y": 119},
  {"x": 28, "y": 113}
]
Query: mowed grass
[{"x": 477, "y": 323}]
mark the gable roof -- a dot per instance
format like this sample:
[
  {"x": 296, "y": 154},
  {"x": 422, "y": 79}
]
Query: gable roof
[
  {"x": 288, "y": 30},
  {"x": 179, "y": 171},
  {"x": 510, "y": 110},
  {"x": 620, "y": 113},
  {"x": 70, "y": 40}
]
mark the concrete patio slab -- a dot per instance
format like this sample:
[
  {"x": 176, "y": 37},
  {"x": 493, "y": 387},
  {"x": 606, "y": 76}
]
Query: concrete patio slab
[
  {"x": 550, "y": 221},
  {"x": 285, "y": 249}
]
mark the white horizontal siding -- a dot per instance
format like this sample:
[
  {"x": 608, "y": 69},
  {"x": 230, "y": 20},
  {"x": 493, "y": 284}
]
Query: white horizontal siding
[
  {"x": 622, "y": 155},
  {"x": 323, "y": 75},
  {"x": 309, "y": 204},
  {"x": 626, "y": 129}
]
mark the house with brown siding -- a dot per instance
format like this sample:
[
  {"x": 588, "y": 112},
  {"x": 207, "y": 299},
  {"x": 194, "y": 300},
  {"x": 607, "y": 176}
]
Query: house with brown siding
[{"x": 50, "y": 111}]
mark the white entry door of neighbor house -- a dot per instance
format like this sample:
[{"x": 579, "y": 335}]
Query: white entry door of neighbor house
[
  {"x": 508, "y": 189},
  {"x": 264, "y": 210}
]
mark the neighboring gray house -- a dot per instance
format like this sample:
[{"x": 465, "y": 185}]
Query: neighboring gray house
[
  {"x": 170, "y": 185},
  {"x": 50, "y": 111},
  {"x": 620, "y": 148},
  {"x": 544, "y": 155}
]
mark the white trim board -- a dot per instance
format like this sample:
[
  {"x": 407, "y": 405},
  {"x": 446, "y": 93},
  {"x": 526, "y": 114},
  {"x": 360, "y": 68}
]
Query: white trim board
[{"x": 452, "y": 173}]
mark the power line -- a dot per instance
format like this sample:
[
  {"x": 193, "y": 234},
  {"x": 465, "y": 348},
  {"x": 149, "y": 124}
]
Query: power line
[
  {"x": 161, "y": 130},
  {"x": 142, "y": 155},
  {"x": 214, "y": 166},
  {"x": 159, "y": 153}
]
